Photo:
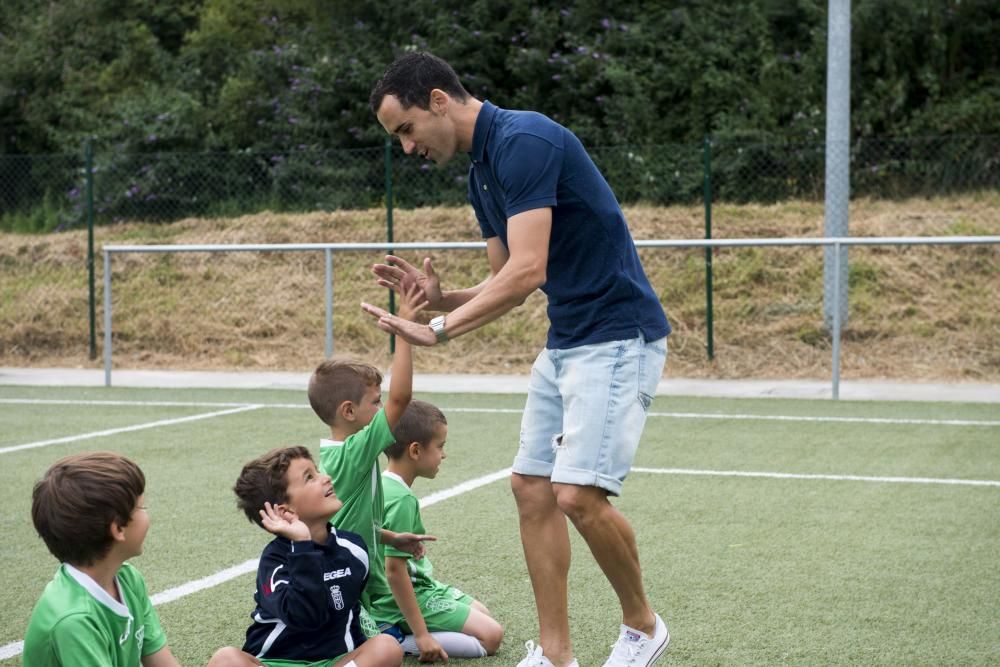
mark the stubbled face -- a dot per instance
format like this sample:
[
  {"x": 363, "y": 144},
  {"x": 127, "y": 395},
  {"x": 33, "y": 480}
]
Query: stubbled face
[
  {"x": 432, "y": 453},
  {"x": 310, "y": 493},
  {"x": 365, "y": 409},
  {"x": 427, "y": 132}
]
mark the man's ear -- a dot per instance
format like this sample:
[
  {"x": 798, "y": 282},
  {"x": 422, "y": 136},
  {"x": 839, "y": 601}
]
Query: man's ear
[{"x": 439, "y": 101}]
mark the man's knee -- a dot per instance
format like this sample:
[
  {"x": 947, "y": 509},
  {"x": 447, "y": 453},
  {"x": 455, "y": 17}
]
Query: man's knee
[
  {"x": 533, "y": 494},
  {"x": 580, "y": 503}
]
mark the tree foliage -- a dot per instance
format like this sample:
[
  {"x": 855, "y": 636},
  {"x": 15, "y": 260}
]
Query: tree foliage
[{"x": 164, "y": 75}]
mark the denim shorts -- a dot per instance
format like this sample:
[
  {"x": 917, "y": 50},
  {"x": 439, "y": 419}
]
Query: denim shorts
[{"x": 586, "y": 410}]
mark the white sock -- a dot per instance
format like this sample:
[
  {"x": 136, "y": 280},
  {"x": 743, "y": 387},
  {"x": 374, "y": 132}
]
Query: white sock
[{"x": 455, "y": 644}]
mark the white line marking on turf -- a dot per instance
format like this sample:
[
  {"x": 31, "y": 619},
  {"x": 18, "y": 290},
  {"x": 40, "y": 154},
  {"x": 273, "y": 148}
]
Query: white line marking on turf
[
  {"x": 845, "y": 420},
  {"x": 210, "y": 581},
  {"x": 459, "y": 489},
  {"x": 67, "y": 401},
  {"x": 11, "y": 650},
  {"x": 126, "y": 429},
  {"x": 835, "y": 478},
  {"x": 668, "y": 415}
]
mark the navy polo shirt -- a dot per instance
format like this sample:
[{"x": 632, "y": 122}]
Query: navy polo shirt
[{"x": 596, "y": 287}]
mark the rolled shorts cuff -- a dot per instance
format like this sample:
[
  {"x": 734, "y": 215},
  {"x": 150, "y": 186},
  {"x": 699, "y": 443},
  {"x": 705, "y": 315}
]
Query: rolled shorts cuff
[
  {"x": 583, "y": 477},
  {"x": 524, "y": 466}
]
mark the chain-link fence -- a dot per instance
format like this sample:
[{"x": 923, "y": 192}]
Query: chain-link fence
[
  {"x": 50, "y": 192},
  {"x": 899, "y": 187}
]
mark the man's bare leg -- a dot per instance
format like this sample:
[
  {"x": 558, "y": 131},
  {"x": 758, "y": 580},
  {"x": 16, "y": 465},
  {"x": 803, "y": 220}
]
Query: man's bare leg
[
  {"x": 612, "y": 542},
  {"x": 545, "y": 539}
]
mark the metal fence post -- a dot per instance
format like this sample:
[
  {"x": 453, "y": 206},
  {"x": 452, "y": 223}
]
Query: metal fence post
[
  {"x": 707, "y": 189},
  {"x": 329, "y": 301},
  {"x": 107, "y": 318},
  {"x": 835, "y": 390},
  {"x": 88, "y": 158},
  {"x": 838, "y": 150},
  {"x": 388, "y": 227}
]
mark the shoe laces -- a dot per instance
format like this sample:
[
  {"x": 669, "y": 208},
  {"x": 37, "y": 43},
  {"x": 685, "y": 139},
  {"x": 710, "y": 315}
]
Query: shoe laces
[
  {"x": 535, "y": 657},
  {"x": 625, "y": 650}
]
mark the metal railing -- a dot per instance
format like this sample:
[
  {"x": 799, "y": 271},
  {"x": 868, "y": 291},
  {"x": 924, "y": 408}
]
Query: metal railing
[{"x": 837, "y": 244}]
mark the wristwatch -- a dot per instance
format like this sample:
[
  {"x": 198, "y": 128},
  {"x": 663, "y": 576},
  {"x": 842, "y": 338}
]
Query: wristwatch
[{"x": 437, "y": 326}]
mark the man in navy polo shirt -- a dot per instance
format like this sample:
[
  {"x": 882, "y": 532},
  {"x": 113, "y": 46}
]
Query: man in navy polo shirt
[{"x": 551, "y": 222}]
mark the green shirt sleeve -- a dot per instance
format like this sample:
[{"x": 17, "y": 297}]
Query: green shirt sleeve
[
  {"x": 142, "y": 608},
  {"x": 403, "y": 516}
]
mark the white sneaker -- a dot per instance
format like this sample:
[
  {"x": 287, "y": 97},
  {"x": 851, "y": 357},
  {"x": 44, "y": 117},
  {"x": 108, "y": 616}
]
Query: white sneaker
[
  {"x": 536, "y": 659},
  {"x": 636, "y": 649}
]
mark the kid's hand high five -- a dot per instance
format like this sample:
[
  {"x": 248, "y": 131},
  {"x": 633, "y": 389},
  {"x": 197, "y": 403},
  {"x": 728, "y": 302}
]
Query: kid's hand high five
[{"x": 412, "y": 302}]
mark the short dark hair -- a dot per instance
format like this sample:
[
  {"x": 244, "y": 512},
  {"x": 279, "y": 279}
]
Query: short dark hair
[
  {"x": 74, "y": 504},
  {"x": 412, "y": 76},
  {"x": 265, "y": 479},
  {"x": 418, "y": 423},
  {"x": 337, "y": 380}
]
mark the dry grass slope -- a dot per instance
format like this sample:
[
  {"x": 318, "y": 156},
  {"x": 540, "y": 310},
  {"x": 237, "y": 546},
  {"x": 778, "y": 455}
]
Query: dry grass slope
[{"x": 916, "y": 313}]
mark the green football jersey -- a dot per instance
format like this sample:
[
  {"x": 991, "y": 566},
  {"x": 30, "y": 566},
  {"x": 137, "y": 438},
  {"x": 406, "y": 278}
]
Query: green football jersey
[
  {"x": 402, "y": 515},
  {"x": 357, "y": 480},
  {"x": 76, "y": 622}
]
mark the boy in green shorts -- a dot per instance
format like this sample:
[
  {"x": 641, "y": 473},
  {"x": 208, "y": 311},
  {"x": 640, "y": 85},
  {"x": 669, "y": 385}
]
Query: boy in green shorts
[
  {"x": 310, "y": 576},
  {"x": 90, "y": 511},
  {"x": 418, "y": 602}
]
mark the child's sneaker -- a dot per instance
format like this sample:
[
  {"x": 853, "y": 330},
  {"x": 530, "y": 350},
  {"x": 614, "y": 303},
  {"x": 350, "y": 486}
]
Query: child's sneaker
[
  {"x": 636, "y": 649},
  {"x": 536, "y": 659},
  {"x": 392, "y": 630}
]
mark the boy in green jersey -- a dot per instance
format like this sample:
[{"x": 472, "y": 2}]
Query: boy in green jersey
[
  {"x": 419, "y": 603},
  {"x": 90, "y": 511},
  {"x": 347, "y": 397}
]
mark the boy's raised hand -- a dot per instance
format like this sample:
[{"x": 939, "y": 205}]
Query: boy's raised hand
[
  {"x": 412, "y": 299},
  {"x": 284, "y": 522},
  {"x": 412, "y": 302}
]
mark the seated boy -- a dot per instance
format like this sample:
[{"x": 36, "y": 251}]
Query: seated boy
[
  {"x": 90, "y": 511},
  {"x": 310, "y": 577},
  {"x": 419, "y": 603}
]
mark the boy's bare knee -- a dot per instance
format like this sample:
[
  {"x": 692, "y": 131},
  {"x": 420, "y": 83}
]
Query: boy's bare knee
[
  {"x": 383, "y": 651},
  {"x": 230, "y": 656},
  {"x": 492, "y": 638}
]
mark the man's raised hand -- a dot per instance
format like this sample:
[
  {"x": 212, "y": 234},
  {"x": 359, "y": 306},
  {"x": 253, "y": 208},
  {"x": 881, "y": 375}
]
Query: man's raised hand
[{"x": 392, "y": 274}]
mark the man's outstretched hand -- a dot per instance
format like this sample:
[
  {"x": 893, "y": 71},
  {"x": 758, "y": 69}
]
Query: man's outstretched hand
[
  {"x": 402, "y": 324},
  {"x": 396, "y": 270}
]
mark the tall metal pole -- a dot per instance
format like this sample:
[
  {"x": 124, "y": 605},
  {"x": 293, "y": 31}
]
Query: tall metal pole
[
  {"x": 107, "y": 318},
  {"x": 838, "y": 142},
  {"x": 707, "y": 184},
  {"x": 88, "y": 157},
  {"x": 388, "y": 226},
  {"x": 328, "y": 279}
]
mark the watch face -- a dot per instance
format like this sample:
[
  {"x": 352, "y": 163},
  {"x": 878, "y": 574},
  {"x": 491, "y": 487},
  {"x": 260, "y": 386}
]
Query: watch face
[{"x": 437, "y": 326}]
